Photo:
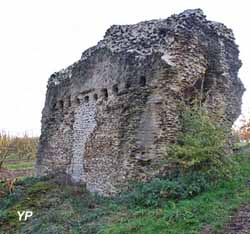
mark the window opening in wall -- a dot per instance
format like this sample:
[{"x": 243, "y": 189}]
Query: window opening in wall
[
  {"x": 115, "y": 88},
  {"x": 54, "y": 106},
  {"x": 142, "y": 81},
  {"x": 61, "y": 104},
  {"x": 105, "y": 93},
  {"x": 69, "y": 102},
  {"x": 77, "y": 101},
  {"x": 95, "y": 97},
  {"x": 86, "y": 98},
  {"x": 128, "y": 85}
]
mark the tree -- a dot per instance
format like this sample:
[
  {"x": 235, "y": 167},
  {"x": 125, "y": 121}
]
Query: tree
[
  {"x": 5, "y": 147},
  {"x": 201, "y": 145},
  {"x": 24, "y": 147}
]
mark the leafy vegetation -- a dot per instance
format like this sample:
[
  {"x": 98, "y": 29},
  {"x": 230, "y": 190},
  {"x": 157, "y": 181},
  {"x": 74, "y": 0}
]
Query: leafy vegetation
[
  {"x": 56, "y": 208},
  {"x": 196, "y": 194},
  {"x": 19, "y": 165},
  {"x": 188, "y": 216},
  {"x": 160, "y": 206},
  {"x": 156, "y": 192},
  {"x": 201, "y": 145}
]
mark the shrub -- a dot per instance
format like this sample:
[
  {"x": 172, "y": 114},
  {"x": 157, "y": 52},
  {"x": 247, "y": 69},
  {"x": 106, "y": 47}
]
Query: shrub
[
  {"x": 201, "y": 145},
  {"x": 157, "y": 191}
]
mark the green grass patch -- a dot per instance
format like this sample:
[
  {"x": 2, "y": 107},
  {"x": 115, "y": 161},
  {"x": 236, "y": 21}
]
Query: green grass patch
[
  {"x": 188, "y": 216},
  {"x": 56, "y": 208},
  {"x": 15, "y": 156},
  {"x": 19, "y": 165},
  {"x": 161, "y": 206}
]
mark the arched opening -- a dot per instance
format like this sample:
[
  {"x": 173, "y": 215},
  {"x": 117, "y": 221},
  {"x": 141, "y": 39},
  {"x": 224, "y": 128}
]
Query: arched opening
[
  {"x": 127, "y": 84},
  {"x": 142, "y": 81},
  {"x": 69, "y": 102},
  {"x": 54, "y": 106},
  {"x": 95, "y": 96},
  {"x": 61, "y": 104},
  {"x": 105, "y": 93},
  {"x": 77, "y": 101},
  {"x": 86, "y": 99},
  {"x": 115, "y": 89}
]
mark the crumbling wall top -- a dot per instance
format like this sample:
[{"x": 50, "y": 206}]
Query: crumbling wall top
[{"x": 154, "y": 36}]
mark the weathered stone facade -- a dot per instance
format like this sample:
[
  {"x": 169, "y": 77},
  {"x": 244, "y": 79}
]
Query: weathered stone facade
[{"x": 109, "y": 117}]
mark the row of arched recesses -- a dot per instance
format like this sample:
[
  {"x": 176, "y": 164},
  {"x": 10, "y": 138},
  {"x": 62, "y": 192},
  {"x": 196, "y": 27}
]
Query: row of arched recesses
[
  {"x": 104, "y": 93},
  {"x": 87, "y": 98}
]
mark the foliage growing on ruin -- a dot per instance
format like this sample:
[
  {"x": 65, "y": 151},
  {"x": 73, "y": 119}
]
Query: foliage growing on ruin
[
  {"x": 201, "y": 145},
  {"x": 212, "y": 208},
  {"x": 146, "y": 209},
  {"x": 157, "y": 191}
]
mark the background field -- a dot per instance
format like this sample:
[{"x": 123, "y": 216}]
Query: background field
[{"x": 17, "y": 156}]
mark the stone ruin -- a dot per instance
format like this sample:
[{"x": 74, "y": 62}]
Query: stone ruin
[{"x": 108, "y": 117}]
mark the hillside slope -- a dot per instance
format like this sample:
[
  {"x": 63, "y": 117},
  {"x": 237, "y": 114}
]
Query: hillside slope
[{"x": 161, "y": 206}]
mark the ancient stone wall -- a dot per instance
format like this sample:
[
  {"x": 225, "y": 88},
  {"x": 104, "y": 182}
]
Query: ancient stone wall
[
  {"x": 108, "y": 117},
  {"x": 83, "y": 126}
]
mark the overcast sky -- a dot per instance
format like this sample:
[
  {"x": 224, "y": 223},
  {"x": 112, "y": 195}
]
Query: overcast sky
[{"x": 39, "y": 37}]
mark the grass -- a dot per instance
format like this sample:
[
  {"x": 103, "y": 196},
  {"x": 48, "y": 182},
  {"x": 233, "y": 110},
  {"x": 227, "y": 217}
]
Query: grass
[
  {"x": 19, "y": 165},
  {"x": 189, "y": 216},
  {"x": 13, "y": 156},
  {"x": 16, "y": 157},
  {"x": 56, "y": 208},
  {"x": 66, "y": 209}
]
